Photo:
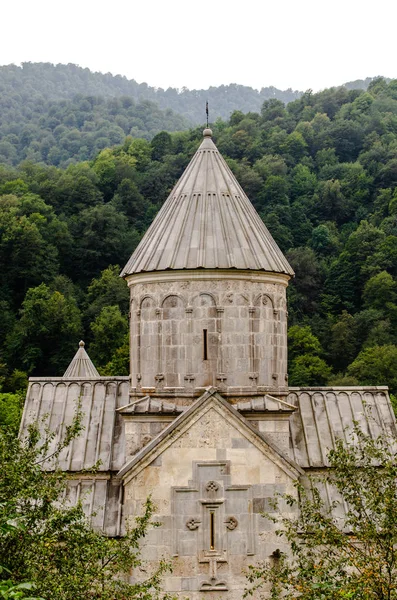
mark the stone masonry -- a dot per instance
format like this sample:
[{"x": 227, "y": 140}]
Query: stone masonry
[{"x": 194, "y": 330}]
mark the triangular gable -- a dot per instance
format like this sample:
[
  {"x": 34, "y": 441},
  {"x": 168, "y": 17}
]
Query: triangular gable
[{"x": 211, "y": 398}]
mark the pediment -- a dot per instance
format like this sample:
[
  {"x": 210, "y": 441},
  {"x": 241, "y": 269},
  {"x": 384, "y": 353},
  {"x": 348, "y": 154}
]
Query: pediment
[{"x": 210, "y": 421}]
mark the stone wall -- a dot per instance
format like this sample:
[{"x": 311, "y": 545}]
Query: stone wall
[
  {"x": 210, "y": 484},
  {"x": 190, "y": 330}
]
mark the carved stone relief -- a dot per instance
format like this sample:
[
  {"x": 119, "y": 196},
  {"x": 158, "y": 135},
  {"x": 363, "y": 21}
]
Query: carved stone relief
[{"x": 201, "y": 526}]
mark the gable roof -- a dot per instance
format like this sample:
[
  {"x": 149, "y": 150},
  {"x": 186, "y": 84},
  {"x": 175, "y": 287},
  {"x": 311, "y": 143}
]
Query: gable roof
[
  {"x": 178, "y": 426},
  {"x": 324, "y": 415},
  {"x": 262, "y": 404},
  {"x": 321, "y": 416},
  {"x": 81, "y": 365},
  {"x": 51, "y": 402},
  {"x": 207, "y": 222}
]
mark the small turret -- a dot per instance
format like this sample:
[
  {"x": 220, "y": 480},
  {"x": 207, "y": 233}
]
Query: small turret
[{"x": 81, "y": 365}]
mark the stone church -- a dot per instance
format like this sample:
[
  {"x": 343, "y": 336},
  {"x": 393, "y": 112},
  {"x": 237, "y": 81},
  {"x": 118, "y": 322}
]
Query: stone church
[{"x": 205, "y": 423}]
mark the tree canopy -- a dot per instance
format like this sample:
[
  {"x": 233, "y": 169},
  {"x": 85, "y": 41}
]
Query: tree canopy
[
  {"x": 343, "y": 548},
  {"x": 47, "y": 545}
]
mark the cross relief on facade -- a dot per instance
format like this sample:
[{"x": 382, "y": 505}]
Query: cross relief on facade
[{"x": 212, "y": 519}]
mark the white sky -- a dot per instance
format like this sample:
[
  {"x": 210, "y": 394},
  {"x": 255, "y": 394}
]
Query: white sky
[{"x": 286, "y": 43}]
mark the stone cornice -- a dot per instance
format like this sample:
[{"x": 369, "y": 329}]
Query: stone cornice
[{"x": 208, "y": 274}]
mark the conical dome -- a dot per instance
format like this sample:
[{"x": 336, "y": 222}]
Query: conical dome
[
  {"x": 207, "y": 222},
  {"x": 81, "y": 365}
]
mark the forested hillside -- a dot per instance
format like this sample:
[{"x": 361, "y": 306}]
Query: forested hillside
[
  {"x": 63, "y": 82},
  {"x": 322, "y": 173},
  {"x": 63, "y": 114},
  {"x": 61, "y": 132}
]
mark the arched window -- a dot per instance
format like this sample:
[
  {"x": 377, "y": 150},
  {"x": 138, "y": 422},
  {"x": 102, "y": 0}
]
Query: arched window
[
  {"x": 173, "y": 341},
  {"x": 205, "y": 340},
  {"x": 148, "y": 342}
]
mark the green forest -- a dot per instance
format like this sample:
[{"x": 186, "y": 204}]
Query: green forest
[
  {"x": 63, "y": 114},
  {"x": 61, "y": 82},
  {"x": 320, "y": 170}
]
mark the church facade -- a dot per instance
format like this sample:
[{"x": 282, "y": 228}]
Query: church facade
[{"x": 206, "y": 422}]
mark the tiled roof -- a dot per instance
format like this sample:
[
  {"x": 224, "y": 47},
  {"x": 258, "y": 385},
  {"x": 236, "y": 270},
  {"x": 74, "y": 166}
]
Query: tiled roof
[
  {"x": 321, "y": 416},
  {"x": 152, "y": 406},
  {"x": 53, "y": 402},
  {"x": 207, "y": 222},
  {"x": 81, "y": 365},
  {"x": 101, "y": 500},
  {"x": 264, "y": 404},
  {"x": 325, "y": 414}
]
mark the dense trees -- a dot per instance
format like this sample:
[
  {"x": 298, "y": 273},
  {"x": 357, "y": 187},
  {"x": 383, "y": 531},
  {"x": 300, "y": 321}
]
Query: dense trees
[
  {"x": 341, "y": 529},
  {"x": 59, "y": 114},
  {"x": 48, "y": 545},
  {"x": 46, "y": 331},
  {"x": 322, "y": 173},
  {"x": 65, "y": 114},
  {"x": 305, "y": 363},
  {"x": 70, "y": 100}
]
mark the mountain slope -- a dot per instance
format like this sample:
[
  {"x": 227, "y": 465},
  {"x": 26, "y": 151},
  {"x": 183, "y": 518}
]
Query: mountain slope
[
  {"x": 58, "y": 82},
  {"x": 59, "y": 114}
]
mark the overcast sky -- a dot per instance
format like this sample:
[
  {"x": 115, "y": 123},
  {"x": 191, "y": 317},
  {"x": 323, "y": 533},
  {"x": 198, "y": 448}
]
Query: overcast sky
[{"x": 286, "y": 43}]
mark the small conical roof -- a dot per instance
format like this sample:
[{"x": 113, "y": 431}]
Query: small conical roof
[
  {"x": 207, "y": 222},
  {"x": 81, "y": 365}
]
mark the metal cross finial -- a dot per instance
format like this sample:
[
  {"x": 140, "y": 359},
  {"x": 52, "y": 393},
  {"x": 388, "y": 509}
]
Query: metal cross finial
[{"x": 206, "y": 111}]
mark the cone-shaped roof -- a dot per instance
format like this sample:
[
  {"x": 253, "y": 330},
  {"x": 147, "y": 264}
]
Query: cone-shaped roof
[
  {"x": 81, "y": 365},
  {"x": 207, "y": 222}
]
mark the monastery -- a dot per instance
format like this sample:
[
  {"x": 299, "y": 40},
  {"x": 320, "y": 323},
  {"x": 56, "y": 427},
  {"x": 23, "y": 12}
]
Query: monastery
[{"x": 206, "y": 422}]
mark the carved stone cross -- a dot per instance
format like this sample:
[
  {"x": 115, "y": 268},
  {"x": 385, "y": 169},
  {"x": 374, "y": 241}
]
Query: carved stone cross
[{"x": 200, "y": 525}]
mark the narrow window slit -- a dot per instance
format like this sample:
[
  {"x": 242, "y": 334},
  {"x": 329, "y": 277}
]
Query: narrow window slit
[
  {"x": 205, "y": 344},
  {"x": 212, "y": 530}
]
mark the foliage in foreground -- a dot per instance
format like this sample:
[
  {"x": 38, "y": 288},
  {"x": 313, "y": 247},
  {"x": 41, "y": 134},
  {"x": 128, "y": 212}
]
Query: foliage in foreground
[
  {"x": 51, "y": 545},
  {"x": 336, "y": 557},
  {"x": 9, "y": 590}
]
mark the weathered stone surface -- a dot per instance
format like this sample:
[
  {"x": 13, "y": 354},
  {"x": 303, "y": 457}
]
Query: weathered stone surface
[
  {"x": 101, "y": 498},
  {"x": 210, "y": 508},
  {"x": 52, "y": 402},
  {"x": 81, "y": 366},
  {"x": 326, "y": 414},
  {"x": 190, "y": 334}
]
